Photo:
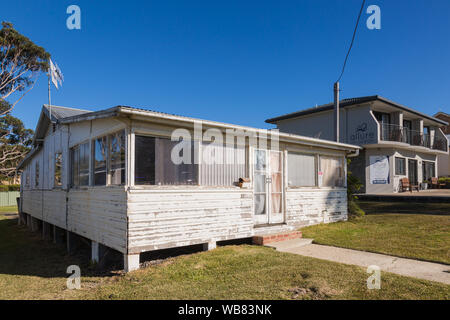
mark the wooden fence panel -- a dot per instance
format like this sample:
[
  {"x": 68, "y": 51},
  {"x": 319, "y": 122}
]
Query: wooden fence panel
[{"x": 9, "y": 198}]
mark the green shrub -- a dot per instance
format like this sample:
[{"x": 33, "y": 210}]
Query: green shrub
[
  {"x": 353, "y": 186},
  {"x": 354, "y": 210},
  {"x": 12, "y": 187},
  {"x": 445, "y": 180}
]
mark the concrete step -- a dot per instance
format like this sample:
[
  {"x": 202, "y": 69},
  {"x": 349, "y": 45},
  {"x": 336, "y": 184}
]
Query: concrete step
[{"x": 289, "y": 244}]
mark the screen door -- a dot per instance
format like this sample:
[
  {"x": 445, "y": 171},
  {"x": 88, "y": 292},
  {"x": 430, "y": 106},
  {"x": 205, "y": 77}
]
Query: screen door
[{"x": 268, "y": 187}]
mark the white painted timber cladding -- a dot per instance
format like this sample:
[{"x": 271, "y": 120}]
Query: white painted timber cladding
[
  {"x": 314, "y": 206},
  {"x": 160, "y": 219},
  {"x": 99, "y": 214},
  {"x": 32, "y": 203},
  {"x": 54, "y": 207}
]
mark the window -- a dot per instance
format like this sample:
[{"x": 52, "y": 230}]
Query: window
[
  {"x": 36, "y": 174},
  {"x": 222, "y": 165},
  {"x": 428, "y": 170},
  {"x": 100, "y": 156},
  {"x": 332, "y": 169},
  {"x": 58, "y": 169},
  {"x": 383, "y": 118},
  {"x": 74, "y": 165},
  {"x": 400, "y": 166},
  {"x": 84, "y": 164},
  {"x": 27, "y": 178},
  {"x": 301, "y": 170},
  {"x": 117, "y": 162},
  {"x": 407, "y": 131},
  {"x": 79, "y": 158},
  {"x": 154, "y": 166}
]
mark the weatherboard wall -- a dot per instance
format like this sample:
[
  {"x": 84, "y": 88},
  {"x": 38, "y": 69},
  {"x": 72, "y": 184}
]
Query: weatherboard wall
[
  {"x": 133, "y": 219},
  {"x": 173, "y": 217}
]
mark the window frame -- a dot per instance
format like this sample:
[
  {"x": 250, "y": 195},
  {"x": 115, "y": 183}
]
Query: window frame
[
  {"x": 343, "y": 171},
  {"x": 55, "y": 184},
  {"x": 109, "y": 158},
  {"x": 316, "y": 168},
  {"x": 396, "y": 166},
  {"x": 77, "y": 149},
  {"x": 224, "y": 148},
  {"x": 27, "y": 177},
  {"x": 425, "y": 169},
  {"x": 36, "y": 174},
  {"x": 155, "y": 185},
  {"x": 106, "y": 160}
]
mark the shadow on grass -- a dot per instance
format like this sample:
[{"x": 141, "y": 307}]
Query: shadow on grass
[
  {"x": 376, "y": 207},
  {"x": 23, "y": 252}
]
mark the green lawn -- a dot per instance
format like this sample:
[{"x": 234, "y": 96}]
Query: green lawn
[
  {"x": 8, "y": 209},
  {"x": 33, "y": 269},
  {"x": 419, "y": 236}
]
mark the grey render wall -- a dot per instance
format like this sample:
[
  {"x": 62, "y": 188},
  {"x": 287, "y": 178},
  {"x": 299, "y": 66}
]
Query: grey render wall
[
  {"x": 393, "y": 186},
  {"x": 317, "y": 125},
  {"x": 444, "y": 165},
  {"x": 360, "y": 126},
  {"x": 357, "y": 125}
]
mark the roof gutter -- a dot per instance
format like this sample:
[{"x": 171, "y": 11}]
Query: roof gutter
[{"x": 285, "y": 137}]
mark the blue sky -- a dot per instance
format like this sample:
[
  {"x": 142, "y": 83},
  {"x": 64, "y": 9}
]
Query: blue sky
[{"x": 236, "y": 61}]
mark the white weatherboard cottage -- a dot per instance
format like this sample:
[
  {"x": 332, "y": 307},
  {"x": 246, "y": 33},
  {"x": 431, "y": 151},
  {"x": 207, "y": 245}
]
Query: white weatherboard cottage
[{"x": 108, "y": 176}]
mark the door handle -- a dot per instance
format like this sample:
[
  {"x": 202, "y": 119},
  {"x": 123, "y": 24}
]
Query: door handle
[{"x": 268, "y": 180}]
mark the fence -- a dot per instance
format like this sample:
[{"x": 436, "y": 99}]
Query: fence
[{"x": 9, "y": 198}]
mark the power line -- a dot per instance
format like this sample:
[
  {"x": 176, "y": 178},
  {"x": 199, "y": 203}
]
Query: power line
[{"x": 353, "y": 39}]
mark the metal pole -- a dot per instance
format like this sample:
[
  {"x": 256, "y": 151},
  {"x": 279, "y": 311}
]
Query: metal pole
[
  {"x": 49, "y": 98},
  {"x": 336, "y": 112}
]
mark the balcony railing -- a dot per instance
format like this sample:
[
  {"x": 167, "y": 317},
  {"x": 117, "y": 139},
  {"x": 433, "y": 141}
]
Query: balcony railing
[
  {"x": 396, "y": 133},
  {"x": 440, "y": 144},
  {"x": 392, "y": 132}
]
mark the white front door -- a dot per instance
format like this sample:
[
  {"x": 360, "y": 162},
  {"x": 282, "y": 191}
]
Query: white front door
[{"x": 268, "y": 187}]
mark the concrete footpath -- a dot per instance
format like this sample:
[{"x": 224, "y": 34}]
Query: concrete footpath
[{"x": 405, "y": 267}]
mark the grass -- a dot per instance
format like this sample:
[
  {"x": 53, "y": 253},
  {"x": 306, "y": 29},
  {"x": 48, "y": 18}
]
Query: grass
[
  {"x": 375, "y": 207},
  {"x": 8, "y": 209},
  {"x": 413, "y": 235},
  {"x": 34, "y": 269}
]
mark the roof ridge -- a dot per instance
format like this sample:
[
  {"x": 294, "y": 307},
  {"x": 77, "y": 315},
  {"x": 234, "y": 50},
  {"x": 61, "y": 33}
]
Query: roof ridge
[
  {"x": 62, "y": 107},
  {"x": 349, "y": 102}
]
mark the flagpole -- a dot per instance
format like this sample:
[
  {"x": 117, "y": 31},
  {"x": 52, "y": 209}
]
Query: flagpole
[{"x": 49, "y": 97}]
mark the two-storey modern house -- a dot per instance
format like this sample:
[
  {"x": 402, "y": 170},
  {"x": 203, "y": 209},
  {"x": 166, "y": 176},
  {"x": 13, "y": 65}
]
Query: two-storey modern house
[{"x": 397, "y": 141}]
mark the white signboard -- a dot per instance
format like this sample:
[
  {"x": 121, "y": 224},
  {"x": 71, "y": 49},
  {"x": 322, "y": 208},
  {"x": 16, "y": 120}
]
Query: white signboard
[{"x": 379, "y": 170}]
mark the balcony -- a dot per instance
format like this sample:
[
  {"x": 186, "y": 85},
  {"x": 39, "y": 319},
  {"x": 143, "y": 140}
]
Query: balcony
[
  {"x": 396, "y": 133},
  {"x": 440, "y": 144}
]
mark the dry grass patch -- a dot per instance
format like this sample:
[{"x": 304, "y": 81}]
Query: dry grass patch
[{"x": 33, "y": 269}]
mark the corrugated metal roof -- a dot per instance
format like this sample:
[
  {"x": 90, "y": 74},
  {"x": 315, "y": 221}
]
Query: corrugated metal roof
[
  {"x": 58, "y": 112},
  {"x": 69, "y": 115}
]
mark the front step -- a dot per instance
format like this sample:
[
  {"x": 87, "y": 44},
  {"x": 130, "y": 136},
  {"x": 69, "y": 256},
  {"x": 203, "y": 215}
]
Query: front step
[
  {"x": 263, "y": 240},
  {"x": 289, "y": 244}
]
